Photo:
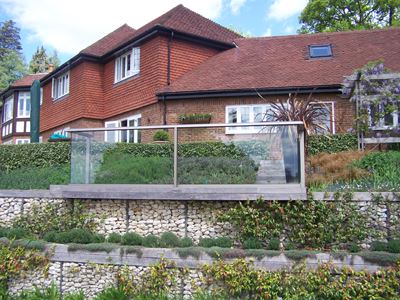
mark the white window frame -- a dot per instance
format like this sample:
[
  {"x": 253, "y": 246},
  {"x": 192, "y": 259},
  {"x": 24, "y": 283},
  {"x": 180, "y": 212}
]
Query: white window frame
[
  {"x": 127, "y": 65},
  {"x": 247, "y": 129},
  {"x": 8, "y": 109},
  {"x": 25, "y": 98},
  {"x": 332, "y": 120},
  {"x": 381, "y": 123},
  {"x": 22, "y": 141},
  {"x": 118, "y": 134},
  {"x": 60, "y": 86}
]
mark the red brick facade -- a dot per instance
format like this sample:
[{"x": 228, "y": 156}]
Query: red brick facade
[{"x": 94, "y": 95}]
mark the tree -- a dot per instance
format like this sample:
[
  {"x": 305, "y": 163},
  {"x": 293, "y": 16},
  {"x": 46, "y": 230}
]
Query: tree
[
  {"x": 9, "y": 38},
  {"x": 342, "y": 15},
  {"x": 40, "y": 61},
  {"x": 12, "y": 67}
]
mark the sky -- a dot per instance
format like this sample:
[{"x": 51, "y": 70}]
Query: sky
[{"x": 70, "y": 26}]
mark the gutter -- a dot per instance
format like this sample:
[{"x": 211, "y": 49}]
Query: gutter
[{"x": 247, "y": 92}]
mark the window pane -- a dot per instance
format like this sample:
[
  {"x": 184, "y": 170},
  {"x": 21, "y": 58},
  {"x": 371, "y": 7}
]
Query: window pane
[
  {"x": 324, "y": 118},
  {"x": 259, "y": 113},
  {"x": 232, "y": 115},
  {"x": 244, "y": 115},
  {"x": 320, "y": 51}
]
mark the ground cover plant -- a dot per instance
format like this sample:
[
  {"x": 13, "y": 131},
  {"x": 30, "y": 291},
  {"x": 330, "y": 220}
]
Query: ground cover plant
[
  {"x": 198, "y": 163},
  {"x": 355, "y": 171}
]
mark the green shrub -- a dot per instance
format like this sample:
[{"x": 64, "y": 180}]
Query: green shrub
[
  {"x": 206, "y": 242},
  {"x": 161, "y": 135},
  {"x": 132, "y": 239},
  {"x": 120, "y": 168},
  {"x": 30, "y": 177},
  {"x": 252, "y": 243},
  {"x": 379, "y": 246},
  {"x": 274, "y": 244},
  {"x": 51, "y": 237},
  {"x": 169, "y": 240},
  {"x": 393, "y": 246},
  {"x": 186, "y": 242},
  {"x": 34, "y": 155},
  {"x": 223, "y": 242},
  {"x": 80, "y": 236},
  {"x": 98, "y": 238},
  {"x": 151, "y": 241},
  {"x": 354, "y": 248},
  {"x": 331, "y": 143},
  {"x": 16, "y": 233},
  {"x": 114, "y": 238},
  {"x": 115, "y": 293}
]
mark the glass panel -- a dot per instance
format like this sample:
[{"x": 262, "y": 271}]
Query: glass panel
[
  {"x": 98, "y": 162},
  {"x": 266, "y": 155},
  {"x": 324, "y": 118},
  {"x": 124, "y": 133},
  {"x": 320, "y": 51},
  {"x": 259, "y": 113}
]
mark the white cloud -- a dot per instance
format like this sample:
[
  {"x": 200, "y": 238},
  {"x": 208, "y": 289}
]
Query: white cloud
[
  {"x": 268, "y": 32},
  {"x": 284, "y": 9},
  {"x": 236, "y": 5},
  {"x": 69, "y": 26},
  {"x": 289, "y": 29}
]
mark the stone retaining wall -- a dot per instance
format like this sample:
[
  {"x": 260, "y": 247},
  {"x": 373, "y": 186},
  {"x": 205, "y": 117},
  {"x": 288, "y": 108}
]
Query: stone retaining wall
[
  {"x": 89, "y": 271},
  {"x": 194, "y": 219}
]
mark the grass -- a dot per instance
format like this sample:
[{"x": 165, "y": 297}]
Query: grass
[{"x": 26, "y": 178}]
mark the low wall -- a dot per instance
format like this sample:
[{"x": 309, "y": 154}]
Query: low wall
[
  {"x": 190, "y": 218},
  {"x": 94, "y": 271}
]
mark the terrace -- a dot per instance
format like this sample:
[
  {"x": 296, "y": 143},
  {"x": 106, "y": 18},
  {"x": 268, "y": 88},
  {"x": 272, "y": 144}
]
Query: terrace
[{"x": 197, "y": 162}]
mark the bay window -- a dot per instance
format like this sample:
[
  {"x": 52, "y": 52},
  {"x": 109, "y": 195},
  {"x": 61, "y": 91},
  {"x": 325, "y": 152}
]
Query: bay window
[
  {"x": 24, "y": 105},
  {"x": 8, "y": 109},
  {"x": 127, "y": 65}
]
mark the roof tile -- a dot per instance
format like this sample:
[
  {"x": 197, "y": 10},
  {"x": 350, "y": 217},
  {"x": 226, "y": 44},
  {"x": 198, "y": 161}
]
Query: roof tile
[{"x": 281, "y": 62}]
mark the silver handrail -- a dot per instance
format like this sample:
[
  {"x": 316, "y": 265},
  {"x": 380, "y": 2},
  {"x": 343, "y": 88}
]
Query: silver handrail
[{"x": 213, "y": 125}]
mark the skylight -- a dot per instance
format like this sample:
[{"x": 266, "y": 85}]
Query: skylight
[{"x": 317, "y": 51}]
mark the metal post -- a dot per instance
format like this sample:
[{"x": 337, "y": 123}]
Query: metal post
[
  {"x": 302, "y": 157},
  {"x": 175, "y": 156},
  {"x": 87, "y": 160}
]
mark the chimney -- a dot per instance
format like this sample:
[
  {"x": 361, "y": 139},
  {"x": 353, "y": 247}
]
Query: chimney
[{"x": 50, "y": 68}]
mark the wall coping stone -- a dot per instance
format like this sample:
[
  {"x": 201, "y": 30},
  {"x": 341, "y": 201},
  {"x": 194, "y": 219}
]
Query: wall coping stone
[{"x": 150, "y": 256}]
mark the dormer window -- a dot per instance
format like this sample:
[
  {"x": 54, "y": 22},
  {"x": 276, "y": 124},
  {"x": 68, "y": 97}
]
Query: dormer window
[
  {"x": 127, "y": 65},
  {"x": 319, "y": 51},
  {"x": 60, "y": 86}
]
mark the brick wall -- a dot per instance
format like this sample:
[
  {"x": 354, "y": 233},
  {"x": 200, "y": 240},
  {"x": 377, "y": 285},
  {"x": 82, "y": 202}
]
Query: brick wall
[{"x": 94, "y": 95}]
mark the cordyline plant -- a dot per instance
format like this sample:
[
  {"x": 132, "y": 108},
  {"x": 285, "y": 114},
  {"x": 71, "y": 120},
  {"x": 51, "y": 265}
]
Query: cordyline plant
[{"x": 308, "y": 111}]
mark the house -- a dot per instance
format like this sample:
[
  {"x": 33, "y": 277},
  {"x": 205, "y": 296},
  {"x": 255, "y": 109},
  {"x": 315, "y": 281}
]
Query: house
[
  {"x": 184, "y": 63},
  {"x": 16, "y": 109}
]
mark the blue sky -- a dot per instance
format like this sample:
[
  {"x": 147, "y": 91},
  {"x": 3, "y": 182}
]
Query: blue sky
[{"x": 69, "y": 26}]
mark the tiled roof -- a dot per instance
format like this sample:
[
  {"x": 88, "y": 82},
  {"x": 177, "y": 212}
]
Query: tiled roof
[
  {"x": 282, "y": 62},
  {"x": 110, "y": 41},
  {"x": 185, "y": 20},
  {"x": 27, "y": 80},
  {"x": 179, "y": 18}
]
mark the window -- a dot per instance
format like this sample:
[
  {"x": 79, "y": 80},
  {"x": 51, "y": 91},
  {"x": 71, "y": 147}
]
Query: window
[
  {"x": 8, "y": 109},
  {"x": 22, "y": 141},
  {"x": 247, "y": 114},
  {"x": 326, "y": 120},
  {"x": 124, "y": 136},
  {"x": 24, "y": 105},
  {"x": 317, "y": 51},
  {"x": 41, "y": 96},
  {"x": 127, "y": 65},
  {"x": 60, "y": 86},
  {"x": 383, "y": 116}
]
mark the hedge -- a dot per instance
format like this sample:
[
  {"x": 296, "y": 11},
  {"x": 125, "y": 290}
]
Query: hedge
[
  {"x": 34, "y": 155},
  {"x": 331, "y": 143}
]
